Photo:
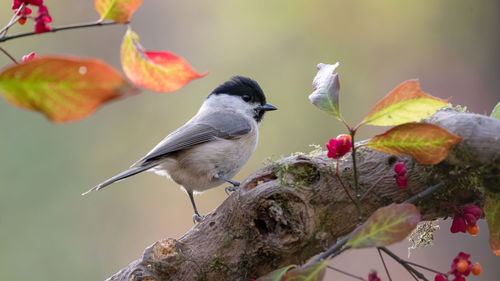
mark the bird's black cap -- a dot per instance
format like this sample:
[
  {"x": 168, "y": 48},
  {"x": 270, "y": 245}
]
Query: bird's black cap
[{"x": 240, "y": 86}]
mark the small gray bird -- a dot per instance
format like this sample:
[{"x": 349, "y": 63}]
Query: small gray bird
[{"x": 211, "y": 147}]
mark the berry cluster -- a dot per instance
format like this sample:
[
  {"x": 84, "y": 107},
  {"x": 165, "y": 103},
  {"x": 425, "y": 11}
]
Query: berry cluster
[
  {"x": 460, "y": 268},
  {"x": 400, "y": 170},
  {"x": 42, "y": 18}
]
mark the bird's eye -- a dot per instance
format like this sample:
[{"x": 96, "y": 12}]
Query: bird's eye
[{"x": 246, "y": 98}]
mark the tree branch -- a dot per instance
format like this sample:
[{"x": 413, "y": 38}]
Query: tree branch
[
  {"x": 293, "y": 209},
  {"x": 60, "y": 28}
]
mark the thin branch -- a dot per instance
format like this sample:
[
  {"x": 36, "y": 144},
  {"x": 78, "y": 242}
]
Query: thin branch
[
  {"x": 426, "y": 268},
  {"x": 346, "y": 273},
  {"x": 9, "y": 55},
  {"x": 424, "y": 193},
  {"x": 337, "y": 246},
  {"x": 356, "y": 184},
  {"x": 61, "y": 28},
  {"x": 385, "y": 266},
  {"x": 12, "y": 21},
  {"x": 404, "y": 264}
]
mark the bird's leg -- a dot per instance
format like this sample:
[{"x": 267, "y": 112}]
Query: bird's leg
[
  {"x": 230, "y": 188},
  {"x": 196, "y": 217}
]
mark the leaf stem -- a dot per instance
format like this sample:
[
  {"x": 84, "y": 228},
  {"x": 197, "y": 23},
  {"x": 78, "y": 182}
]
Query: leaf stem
[
  {"x": 346, "y": 273},
  {"x": 61, "y": 28},
  {"x": 8, "y": 55},
  {"x": 404, "y": 264}
]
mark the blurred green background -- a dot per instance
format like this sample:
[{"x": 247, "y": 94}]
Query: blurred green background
[{"x": 49, "y": 232}]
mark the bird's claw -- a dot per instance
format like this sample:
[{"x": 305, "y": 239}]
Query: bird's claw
[
  {"x": 232, "y": 188},
  {"x": 197, "y": 218}
]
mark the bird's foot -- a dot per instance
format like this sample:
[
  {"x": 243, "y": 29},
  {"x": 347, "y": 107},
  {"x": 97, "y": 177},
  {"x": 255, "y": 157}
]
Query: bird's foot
[
  {"x": 232, "y": 188},
  {"x": 197, "y": 218}
]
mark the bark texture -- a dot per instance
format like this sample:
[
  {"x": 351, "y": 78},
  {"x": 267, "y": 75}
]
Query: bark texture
[{"x": 295, "y": 208}]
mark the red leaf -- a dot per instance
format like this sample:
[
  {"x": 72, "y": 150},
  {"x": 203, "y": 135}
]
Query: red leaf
[{"x": 158, "y": 71}]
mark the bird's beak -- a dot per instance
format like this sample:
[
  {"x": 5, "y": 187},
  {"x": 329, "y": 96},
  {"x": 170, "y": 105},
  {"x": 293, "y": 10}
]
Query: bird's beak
[{"x": 268, "y": 107}]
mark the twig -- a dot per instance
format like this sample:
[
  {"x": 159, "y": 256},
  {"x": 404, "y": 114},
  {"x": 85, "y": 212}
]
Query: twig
[
  {"x": 337, "y": 246},
  {"x": 12, "y": 21},
  {"x": 9, "y": 55},
  {"x": 60, "y": 28},
  {"x": 424, "y": 193},
  {"x": 356, "y": 184},
  {"x": 385, "y": 266},
  {"x": 346, "y": 273},
  {"x": 404, "y": 264},
  {"x": 426, "y": 268}
]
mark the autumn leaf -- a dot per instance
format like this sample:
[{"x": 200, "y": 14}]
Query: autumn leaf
[
  {"x": 326, "y": 89},
  {"x": 406, "y": 103},
  {"x": 492, "y": 213},
  {"x": 427, "y": 143},
  {"x": 117, "y": 10},
  {"x": 276, "y": 275},
  {"x": 158, "y": 71},
  {"x": 386, "y": 226},
  {"x": 63, "y": 88},
  {"x": 496, "y": 112}
]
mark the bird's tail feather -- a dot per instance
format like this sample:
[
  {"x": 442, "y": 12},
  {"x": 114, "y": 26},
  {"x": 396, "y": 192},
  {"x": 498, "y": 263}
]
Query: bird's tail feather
[{"x": 120, "y": 176}]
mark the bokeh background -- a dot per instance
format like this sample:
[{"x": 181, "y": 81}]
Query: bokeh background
[{"x": 49, "y": 232}]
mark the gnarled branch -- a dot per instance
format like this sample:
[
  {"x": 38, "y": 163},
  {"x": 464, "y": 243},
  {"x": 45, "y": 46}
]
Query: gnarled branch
[{"x": 293, "y": 209}]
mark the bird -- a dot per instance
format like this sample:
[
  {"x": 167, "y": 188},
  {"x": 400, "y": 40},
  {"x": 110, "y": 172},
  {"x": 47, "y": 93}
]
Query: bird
[{"x": 210, "y": 148}]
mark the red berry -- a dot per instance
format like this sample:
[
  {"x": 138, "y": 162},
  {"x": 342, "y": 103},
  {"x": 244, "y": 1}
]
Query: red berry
[
  {"x": 462, "y": 266},
  {"x": 473, "y": 229},
  {"x": 476, "y": 269}
]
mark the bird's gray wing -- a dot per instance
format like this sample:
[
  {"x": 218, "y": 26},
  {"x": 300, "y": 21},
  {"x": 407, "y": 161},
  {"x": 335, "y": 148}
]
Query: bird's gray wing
[{"x": 209, "y": 128}]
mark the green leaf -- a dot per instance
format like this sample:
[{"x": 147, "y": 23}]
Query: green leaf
[
  {"x": 117, "y": 10},
  {"x": 405, "y": 103},
  {"x": 276, "y": 275},
  {"x": 311, "y": 272},
  {"x": 326, "y": 89},
  {"x": 63, "y": 88},
  {"x": 427, "y": 143},
  {"x": 496, "y": 111},
  {"x": 386, "y": 226},
  {"x": 492, "y": 212}
]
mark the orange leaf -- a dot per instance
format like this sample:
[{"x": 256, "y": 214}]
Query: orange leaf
[
  {"x": 405, "y": 103},
  {"x": 158, "y": 71},
  {"x": 63, "y": 88},
  {"x": 427, "y": 143},
  {"x": 117, "y": 10}
]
